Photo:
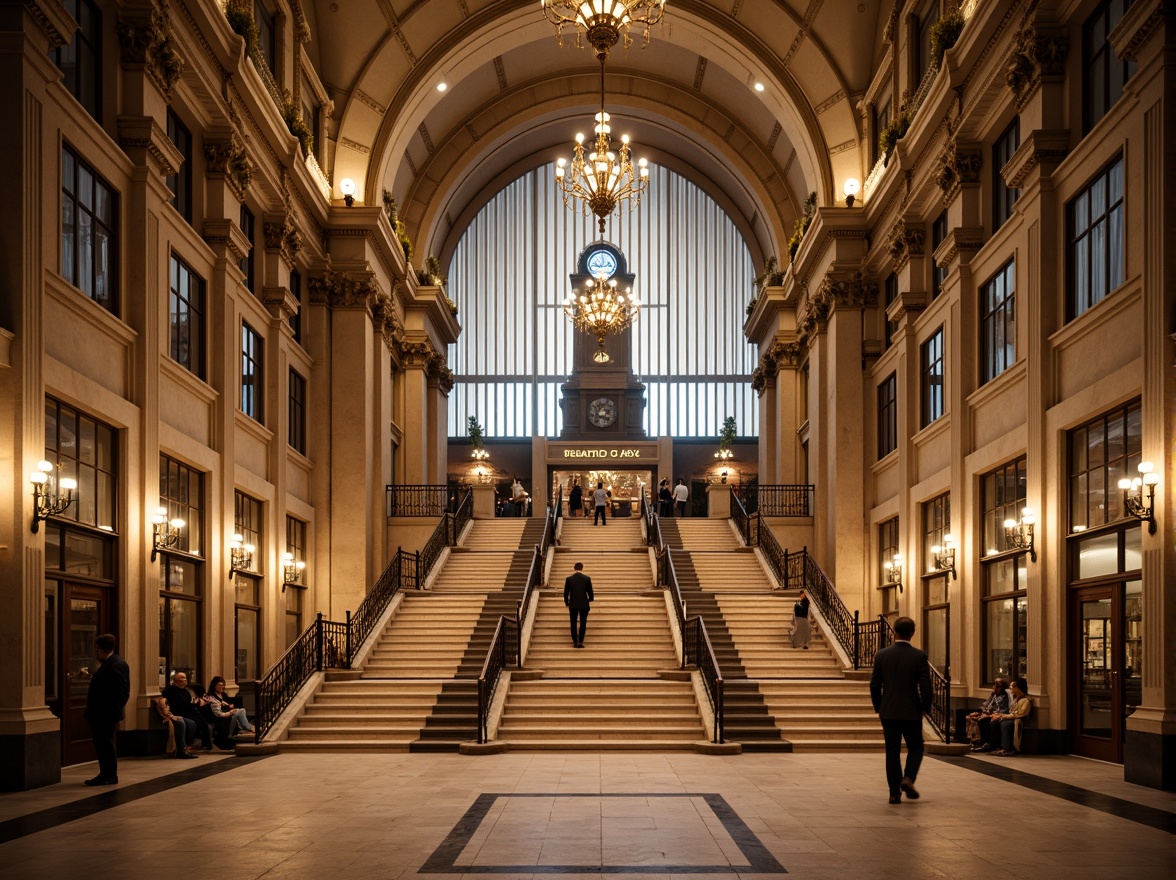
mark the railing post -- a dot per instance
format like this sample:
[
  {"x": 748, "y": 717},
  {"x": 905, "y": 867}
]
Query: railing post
[
  {"x": 318, "y": 642},
  {"x": 417, "y": 570},
  {"x": 259, "y": 697},
  {"x": 349, "y": 657},
  {"x": 857, "y": 642},
  {"x": 719, "y": 711}
]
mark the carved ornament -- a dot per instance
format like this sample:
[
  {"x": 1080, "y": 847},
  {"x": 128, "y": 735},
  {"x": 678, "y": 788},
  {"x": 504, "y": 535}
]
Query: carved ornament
[
  {"x": 149, "y": 45},
  {"x": 958, "y": 165},
  {"x": 759, "y": 382},
  {"x": 904, "y": 242},
  {"x": 228, "y": 157},
  {"x": 1144, "y": 32},
  {"x": 1036, "y": 54},
  {"x": 963, "y": 241},
  {"x": 440, "y": 373},
  {"x": 416, "y": 354},
  {"x": 52, "y": 18},
  {"x": 283, "y": 236},
  {"x": 854, "y": 292},
  {"x": 342, "y": 290}
]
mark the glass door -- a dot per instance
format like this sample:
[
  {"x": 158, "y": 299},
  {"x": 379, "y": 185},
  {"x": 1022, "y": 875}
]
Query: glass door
[
  {"x": 1097, "y": 708},
  {"x": 86, "y": 616}
]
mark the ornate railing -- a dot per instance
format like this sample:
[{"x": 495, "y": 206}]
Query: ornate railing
[
  {"x": 551, "y": 522},
  {"x": 869, "y": 637},
  {"x": 822, "y": 592},
  {"x": 940, "y": 714},
  {"x": 741, "y": 517},
  {"x": 534, "y": 579},
  {"x": 417, "y": 500},
  {"x": 463, "y": 513},
  {"x": 431, "y": 552},
  {"x": 874, "y": 177},
  {"x": 318, "y": 176},
  {"x": 503, "y": 652},
  {"x": 668, "y": 578},
  {"x": 276, "y": 690},
  {"x": 783, "y": 500},
  {"x": 774, "y": 555},
  {"x": 697, "y": 651},
  {"x": 372, "y": 607}
]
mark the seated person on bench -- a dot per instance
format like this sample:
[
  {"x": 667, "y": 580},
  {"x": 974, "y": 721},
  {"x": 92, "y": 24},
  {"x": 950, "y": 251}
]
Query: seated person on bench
[
  {"x": 1005, "y": 728},
  {"x": 186, "y": 705},
  {"x": 225, "y": 713},
  {"x": 978, "y": 722}
]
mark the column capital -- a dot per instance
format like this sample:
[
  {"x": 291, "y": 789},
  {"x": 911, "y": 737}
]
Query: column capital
[
  {"x": 143, "y": 139},
  {"x": 227, "y": 239},
  {"x": 1044, "y": 148},
  {"x": 282, "y": 235},
  {"x": 1039, "y": 53},
  {"x": 903, "y": 242},
  {"x": 959, "y": 164},
  {"x": 225, "y": 156},
  {"x": 342, "y": 290},
  {"x": 145, "y": 41}
]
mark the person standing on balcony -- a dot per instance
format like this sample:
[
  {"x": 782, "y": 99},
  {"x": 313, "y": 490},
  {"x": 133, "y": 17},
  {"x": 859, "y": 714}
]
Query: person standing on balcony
[
  {"x": 900, "y": 689},
  {"x": 578, "y": 599}
]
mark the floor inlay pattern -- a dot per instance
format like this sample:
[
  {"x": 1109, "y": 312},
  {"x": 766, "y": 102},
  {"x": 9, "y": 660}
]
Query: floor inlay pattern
[{"x": 638, "y": 834}]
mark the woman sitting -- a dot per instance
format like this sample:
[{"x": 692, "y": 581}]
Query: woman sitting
[
  {"x": 1005, "y": 728},
  {"x": 218, "y": 702}
]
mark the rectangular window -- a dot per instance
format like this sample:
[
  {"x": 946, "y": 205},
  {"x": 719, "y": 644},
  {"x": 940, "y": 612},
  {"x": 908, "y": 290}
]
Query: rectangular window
[
  {"x": 926, "y": 20},
  {"x": 252, "y": 390},
  {"x": 84, "y": 450},
  {"x": 266, "y": 36},
  {"x": 296, "y": 318},
  {"x": 1002, "y": 497},
  {"x": 931, "y": 364},
  {"x": 81, "y": 61},
  {"x": 887, "y": 416},
  {"x": 1104, "y": 74},
  {"x": 180, "y": 183},
  {"x": 936, "y": 529},
  {"x": 889, "y": 295},
  {"x": 181, "y": 492},
  {"x": 881, "y": 120},
  {"x": 247, "y": 524},
  {"x": 998, "y": 324},
  {"x": 247, "y": 521},
  {"x": 1003, "y": 197},
  {"x": 295, "y": 588},
  {"x": 1102, "y": 452},
  {"x": 938, "y": 236},
  {"x": 887, "y": 553},
  {"x": 89, "y": 231},
  {"x": 297, "y": 435},
  {"x": 247, "y": 227},
  {"x": 186, "y": 316},
  {"x": 1094, "y": 224}
]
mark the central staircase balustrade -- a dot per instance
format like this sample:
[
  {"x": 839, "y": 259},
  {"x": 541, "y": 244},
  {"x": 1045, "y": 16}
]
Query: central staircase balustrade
[
  {"x": 742, "y": 520},
  {"x": 417, "y": 500},
  {"x": 696, "y": 645},
  {"x": 774, "y": 555},
  {"x": 504, "y": 651},
  {"x": 787, "y": 499},
  {"x": 283, "y": 680},
  {"x": 462, "y": 515}
]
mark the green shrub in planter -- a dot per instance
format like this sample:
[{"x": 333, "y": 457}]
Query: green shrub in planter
[{"x": 944, "y": 34}]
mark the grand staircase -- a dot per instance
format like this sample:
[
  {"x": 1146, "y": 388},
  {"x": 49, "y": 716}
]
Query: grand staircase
[
  {"x": 776, "y": 697},
  {"x": 622, "y": 690}
]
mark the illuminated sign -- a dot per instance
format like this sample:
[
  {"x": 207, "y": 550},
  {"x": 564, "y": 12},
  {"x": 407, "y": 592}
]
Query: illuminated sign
[{"x": 602, "y": 453}]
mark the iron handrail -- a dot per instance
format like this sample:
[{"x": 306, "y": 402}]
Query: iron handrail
[
  {"x": 431, "y": 552},
  {"x": 669, "y": 579},
  {"x": 787, "y": 499},
  {"x": 372, "y": 607},
  {"x": 503, "y": 648},
  {"x": 742, "y": 520},
  {"x": 696, "y": 645},
  {"x": 940, "y": 714},
  {"x": 774, "y": 555},
  {"x": 462, "y": 514},
  {"x": 534, "y": 579},
  {"x": 276, "y": 689},
  {"x": 416, "y": 500}
]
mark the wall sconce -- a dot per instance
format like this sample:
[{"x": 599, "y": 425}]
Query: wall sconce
[
  {"x": 165, "y": 533},
  {"x": 50, "y": 496},
  {"x": 851, "y": 188},
  {"x": 291, "y": 570},
  {"x": 347, "y": 187},
  {"x": 1138, "y": 506},
  {"x": 240, "y": 556},
  {"x": 944, "y": 557},
  {"x": 894, "y": 572},
  {"x": 1019, "y": 533}
]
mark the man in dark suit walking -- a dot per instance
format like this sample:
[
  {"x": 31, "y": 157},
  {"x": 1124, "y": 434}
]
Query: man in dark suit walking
[
  {"x": 578, "y": 598},
  {"x": 110, "y": 688},
  {"x": 900, "y": 689}
]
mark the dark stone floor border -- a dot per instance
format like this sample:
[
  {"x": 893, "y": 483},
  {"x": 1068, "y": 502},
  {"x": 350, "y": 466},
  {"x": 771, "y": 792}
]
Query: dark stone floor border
[
  {"x": 444, "y": 858},
  {"x": 106, "y": 798},
  {"x": 1105, "y": 803}
]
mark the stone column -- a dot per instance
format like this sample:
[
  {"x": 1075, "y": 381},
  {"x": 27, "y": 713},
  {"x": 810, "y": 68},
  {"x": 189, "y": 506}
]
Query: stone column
[
  {"x": 416, "y": 357},
  {"x": 30, "y": 741}
]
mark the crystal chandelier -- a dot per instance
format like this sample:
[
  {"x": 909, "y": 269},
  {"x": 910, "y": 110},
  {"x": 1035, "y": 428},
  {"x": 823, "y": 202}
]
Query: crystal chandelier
[
  {"x": 601, "y": 309},
  {"x": 602, "y": 21},
  {"x": 604, "y": 179}
]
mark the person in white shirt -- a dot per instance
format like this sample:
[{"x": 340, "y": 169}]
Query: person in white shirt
[
  {"x": 681, "y": 496},
  {"x": 518, "y": 495},
  {"x": 600, "y": 498}
]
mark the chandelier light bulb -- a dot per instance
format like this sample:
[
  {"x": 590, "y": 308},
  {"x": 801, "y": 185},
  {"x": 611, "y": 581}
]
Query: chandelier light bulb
[
  {"x": 67, "y": 483},
  {"x": 38, "y": 478}
]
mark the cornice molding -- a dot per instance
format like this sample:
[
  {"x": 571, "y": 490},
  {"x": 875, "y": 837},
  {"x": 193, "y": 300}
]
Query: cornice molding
[
  {"x": 142, "y": 138},
  {"x": 904, "y": 242},
  {"x": 1140, "y": 30},
  {"x": 227, "y": 158},
  {"x": 1045, "y": 147},
  {"x": 959, "y": 164},
  {"x": 1039, "y": 53},
  {"x": 53, "y": 20}
]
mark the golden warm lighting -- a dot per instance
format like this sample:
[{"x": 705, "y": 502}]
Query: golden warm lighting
[
  {"x": 602, "y": 309},
  {"x": 603, "y": 21}
]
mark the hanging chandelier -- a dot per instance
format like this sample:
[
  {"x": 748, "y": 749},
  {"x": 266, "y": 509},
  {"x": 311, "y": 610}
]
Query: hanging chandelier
[
  {"x": 601, "y": 309},
  {"x": 604, "y": 179},
  {"x": 602, "y": 21}
]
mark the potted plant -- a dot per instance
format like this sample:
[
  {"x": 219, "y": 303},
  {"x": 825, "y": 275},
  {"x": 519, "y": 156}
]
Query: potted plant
[
  {"x": 802, "y": 225},
  {"x": 397, "y": 224},
  {"x": 477, "y": 438},
  {"x": 240, "y": 16},
  {"x": 297, "y": 125},
  {"x": 944, "y": 34},
  {"x": 890, "y": 135}
]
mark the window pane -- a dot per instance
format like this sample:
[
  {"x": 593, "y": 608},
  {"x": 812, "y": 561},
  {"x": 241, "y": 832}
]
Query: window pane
[
  {"x": 1098, "y": 555},
  {"x": 999, "y": 629}
]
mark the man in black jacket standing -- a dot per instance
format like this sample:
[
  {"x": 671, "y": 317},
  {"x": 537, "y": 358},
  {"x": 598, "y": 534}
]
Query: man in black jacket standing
[
  {"x": 900, "y": 689},
  {"x": 578, "y": 598},
  {"x": 110, "y": 688}
]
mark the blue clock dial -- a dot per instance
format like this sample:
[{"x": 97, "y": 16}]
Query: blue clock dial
[{"x": 602, "y": 262}]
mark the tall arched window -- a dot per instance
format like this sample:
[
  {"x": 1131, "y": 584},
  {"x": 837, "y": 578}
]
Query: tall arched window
[{"x": 509, "y": 275}]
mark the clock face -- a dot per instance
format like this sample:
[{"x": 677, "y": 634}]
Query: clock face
[
  {"x": 602, "y": 262},
  {"x": 602, "y": 412}
]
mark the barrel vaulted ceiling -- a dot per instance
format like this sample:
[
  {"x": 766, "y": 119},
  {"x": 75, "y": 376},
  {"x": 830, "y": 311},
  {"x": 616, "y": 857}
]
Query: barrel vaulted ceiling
[{"x": 515, "y": 100}]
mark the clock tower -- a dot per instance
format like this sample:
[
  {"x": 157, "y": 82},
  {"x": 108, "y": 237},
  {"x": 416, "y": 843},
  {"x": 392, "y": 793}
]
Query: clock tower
[{"x": 602, "y": 399}]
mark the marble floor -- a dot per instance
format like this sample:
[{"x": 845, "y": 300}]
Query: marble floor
[{"x": 638, "y": 815}]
